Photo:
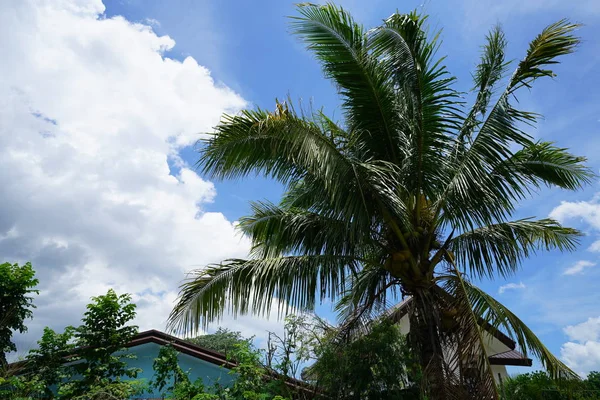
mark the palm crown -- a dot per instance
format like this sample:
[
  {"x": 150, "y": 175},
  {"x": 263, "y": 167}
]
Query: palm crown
[{"x": 408, "y": 195}]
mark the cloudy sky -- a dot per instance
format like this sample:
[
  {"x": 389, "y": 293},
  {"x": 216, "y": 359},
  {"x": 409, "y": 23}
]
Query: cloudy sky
[{"x": 101, "y": 104}]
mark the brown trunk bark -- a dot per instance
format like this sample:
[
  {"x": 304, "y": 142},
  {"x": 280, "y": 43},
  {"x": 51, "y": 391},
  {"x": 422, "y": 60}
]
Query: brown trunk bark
[{"x": 425, "y": 338}]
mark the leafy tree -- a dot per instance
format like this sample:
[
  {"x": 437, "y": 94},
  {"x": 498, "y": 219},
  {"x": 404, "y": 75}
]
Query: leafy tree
[
  {"x": 287, "y": 353},
  {"x": 378, "y": 365},
  {"x": 540, "y": 386},
  {"x": 46, "y": 362},
  {"x": 167, "y": 372},
  {"x": 410, "y": 193},
  {"x": 223, "y": 340},
  {"x": 16, "y": 303},
  {"x": 251, "y": 379},
  {"x": 101, "y": 340}
]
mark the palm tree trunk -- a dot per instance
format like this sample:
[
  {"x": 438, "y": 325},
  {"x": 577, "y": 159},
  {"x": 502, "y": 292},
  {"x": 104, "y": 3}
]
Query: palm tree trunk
[{"x": 425, "y": 338}]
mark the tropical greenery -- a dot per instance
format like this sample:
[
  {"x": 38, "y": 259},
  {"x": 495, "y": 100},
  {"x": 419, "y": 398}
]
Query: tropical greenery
[
  {"x": 378, "y": 365},
  {"x": 16, "y": 303},
  {"x": 222, "y": 340},
  {"x": 98, "y": 369},
  {"x": 412, "y": 193},
  {"x": 539, "y": 385}
]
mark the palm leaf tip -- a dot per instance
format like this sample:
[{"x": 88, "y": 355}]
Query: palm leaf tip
[{"x": 555, "y": 40}]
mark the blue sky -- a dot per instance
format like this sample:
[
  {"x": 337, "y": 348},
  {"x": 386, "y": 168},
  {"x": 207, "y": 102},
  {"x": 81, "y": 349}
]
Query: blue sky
[{"x": 247, "y": 48}]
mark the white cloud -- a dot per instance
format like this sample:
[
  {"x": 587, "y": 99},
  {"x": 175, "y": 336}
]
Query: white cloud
[
  {"x": 578, "y": 267},
  {"x": 582, "y": 353},
  {"x": 511, "y": 286},
  {"x": 94, "y": 193},
  {"x": 595, "y": 247},
  {"x": 586, "y": 211},
  {"x": 585, "y": 331}
]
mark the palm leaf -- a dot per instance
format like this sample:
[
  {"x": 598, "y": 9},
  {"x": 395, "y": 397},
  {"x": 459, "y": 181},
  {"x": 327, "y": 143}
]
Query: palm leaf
[
  {"x": 542, "y": 162},
  {"x": 339, "y": 43},
  {"x": 497, "y": 316},
  {"x": 500, "y": 248},
  {"x": 255, "y": 285},
  {"x": 491, "y": 197}
]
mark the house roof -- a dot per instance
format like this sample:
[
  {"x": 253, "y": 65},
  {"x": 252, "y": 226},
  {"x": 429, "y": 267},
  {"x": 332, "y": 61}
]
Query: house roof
[
  {"x": 510, "y": 357},
  {"x": 182, "y": 346},
  {"x": 214, "y": 357},
  {"x": 185, "y": 347}
]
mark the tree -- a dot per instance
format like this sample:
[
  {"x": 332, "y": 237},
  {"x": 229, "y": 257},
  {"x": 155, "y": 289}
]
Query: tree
[
  {"x": 223, "y": 340},
  {"x": 46, "y": 363},
  {"x": 409, "y": 194},
  {"x": 377, "y": 365},
  {"x": 538, "y": 385},
  {"x": 16, "y": 303},
  {"x": 100, "y": 343}
]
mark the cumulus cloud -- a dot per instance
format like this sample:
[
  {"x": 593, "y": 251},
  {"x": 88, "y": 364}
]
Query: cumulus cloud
[
  {"x": 587, "y": 212},
  {"x": 582, "y": 353},
  {"x": 94, "y": 193},
  {"x": 578, "y": 267},
  {"x": 586, "y": 331},
  {"x": 511, "y": 286}
]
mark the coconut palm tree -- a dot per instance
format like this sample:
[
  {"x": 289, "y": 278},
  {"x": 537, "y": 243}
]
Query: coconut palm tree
[{"x": 411, "y": 194}]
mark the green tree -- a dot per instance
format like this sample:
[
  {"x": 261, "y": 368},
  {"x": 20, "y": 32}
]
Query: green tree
[
  {"x": 539, "y": 385},
  {"x": 410, "y": 193},
  {"x": 167, "y": 372},
  {"x": 223, "y": 340},
  {"x": 378, "y": 365},
  {"x": 100, "y": 341},
  {"x": 16, "y": 303},
  {"x": 46, "y": 363}
]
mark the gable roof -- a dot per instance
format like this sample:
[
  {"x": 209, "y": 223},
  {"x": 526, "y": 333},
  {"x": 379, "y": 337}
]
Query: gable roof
[
  {"x": 182, "y": 346},
  {"x": 185, "y": 347},
  {"x": 510, "y": 357}
]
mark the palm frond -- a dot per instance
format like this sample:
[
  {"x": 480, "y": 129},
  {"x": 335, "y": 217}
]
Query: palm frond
[
  {"x": 256, "y": 285},
  {"x": 427, "y": 104},
  {"x": 498, "y": 317},
  {"x": 554, "y": 41},
  {"x": 276, "y": 230},
  {"x": 339, "y": 43},
  {"x": 542, "y": 162},
  {"x": 489, "y": 72},
  {"x": 365, "y": 297},
  {"x": 489, "y": 197},
  {"x": 278, "y": 144},
  {"x": 467, "y": 342},
  {"x": 500, "y": 248}
]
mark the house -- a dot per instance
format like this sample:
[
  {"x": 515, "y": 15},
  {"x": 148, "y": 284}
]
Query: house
[
  {"x": 502, "y": 349},
  {"x": 211, "y": 366},
  {"x": 199, "y": 362}
]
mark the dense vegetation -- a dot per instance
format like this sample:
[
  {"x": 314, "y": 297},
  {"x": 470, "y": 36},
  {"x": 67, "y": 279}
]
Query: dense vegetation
[
  {"x": 90, "y": 361},
  {"x": 540, "y": 386},
  {"x": 17, "y": 284},
  {"x": 408, "y": 194}
]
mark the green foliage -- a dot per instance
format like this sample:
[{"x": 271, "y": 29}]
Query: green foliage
[
  {"x": 223, "y": 340},
  {"x": 287, "y": 353},
  {"x": 16, "y": 303},
  {"x": 167, "y": 372},
  {"x": 101, "y": 340},
  {"x": 409, "y": 193},
  {"x": 377, "y": 365},
  {"x": 540, "y": 386},
  {"x": 96, "y": 369},
  {"x": 250, "y": 383},
  {"x": 106, "y": 389},
  {"x": 46, "y": 362}
]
